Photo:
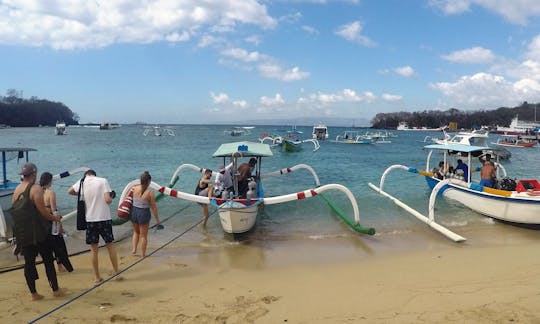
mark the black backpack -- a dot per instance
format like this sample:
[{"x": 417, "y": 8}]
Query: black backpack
[{"x": 29, "y": 227}]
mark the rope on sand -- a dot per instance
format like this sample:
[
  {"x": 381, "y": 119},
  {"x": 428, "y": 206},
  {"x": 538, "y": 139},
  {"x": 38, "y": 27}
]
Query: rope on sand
[
  {"x": 117, "y": 274},
  {"x": 20, "y": 266}
]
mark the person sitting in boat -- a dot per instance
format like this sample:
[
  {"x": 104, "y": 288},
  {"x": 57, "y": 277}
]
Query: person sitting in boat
[
  {"x": 442, "y": 170},
  {"x": 205, "y": 188},
  {"x": 463, "y": 167},
  {"x": 223, "y": 181},
  {"x": 487, "y": 172},
  {"x": 244, "y": 171}
]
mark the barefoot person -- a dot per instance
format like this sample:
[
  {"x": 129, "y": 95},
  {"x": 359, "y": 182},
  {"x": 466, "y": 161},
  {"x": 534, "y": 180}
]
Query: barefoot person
[
  {"x": 143, "y": 201},
  {"x": 98, "y": 196},
  {"x": 205, "y": 188},
  {"x": 31, "y": 232}
]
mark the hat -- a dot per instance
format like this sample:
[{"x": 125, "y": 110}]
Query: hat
[
  {"x": 28, "y": 168},
  {"x": 221, "y": 168}
]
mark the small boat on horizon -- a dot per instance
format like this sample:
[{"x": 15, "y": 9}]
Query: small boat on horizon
[
  {"x": 515, "y": 141},
  {"x": 354, "y": 137},
  {"x": 61, "y": 128},
  {"x": 320, "y": 132}
]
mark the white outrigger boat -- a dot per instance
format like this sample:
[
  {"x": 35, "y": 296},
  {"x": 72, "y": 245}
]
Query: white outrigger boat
[
  {"x": 7, "y": 187},
  {"x": 239, "y": 215},
  {"x": 513, "y": 202}
]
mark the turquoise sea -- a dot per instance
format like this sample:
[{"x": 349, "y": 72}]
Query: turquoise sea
[{"x": 122, "y": 154}]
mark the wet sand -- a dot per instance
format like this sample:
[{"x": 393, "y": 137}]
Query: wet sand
[{"x": 299, "y": 282}]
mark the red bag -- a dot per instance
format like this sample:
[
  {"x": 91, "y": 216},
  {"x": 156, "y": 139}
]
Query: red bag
[{"x": 124, "y": 210}]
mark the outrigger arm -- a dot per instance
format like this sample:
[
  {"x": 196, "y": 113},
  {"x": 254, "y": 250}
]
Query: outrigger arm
[{"x": 430, "y": 221}]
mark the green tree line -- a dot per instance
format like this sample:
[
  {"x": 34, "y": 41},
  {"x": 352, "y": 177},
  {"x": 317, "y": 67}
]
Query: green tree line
[
  {"x": 16, "y": 111},
  {"x": 465, "y": 119}
]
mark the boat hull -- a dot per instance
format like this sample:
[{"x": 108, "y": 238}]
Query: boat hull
[
  {"x": 237, "y": 218},
  {"x": 290, "y": 146},
  {"x": 518, "y": 208}
]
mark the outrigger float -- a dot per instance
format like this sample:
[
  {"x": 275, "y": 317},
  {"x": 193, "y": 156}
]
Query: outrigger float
[
  {"x": 239, "y": 215},
  {"x": 7, "y": 187},
  {"x": 512, "y": 202}
]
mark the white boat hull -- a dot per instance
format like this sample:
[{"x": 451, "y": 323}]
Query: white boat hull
[
  {"x": 238, "y": 220},
  {"x": 519, "y": 208}
]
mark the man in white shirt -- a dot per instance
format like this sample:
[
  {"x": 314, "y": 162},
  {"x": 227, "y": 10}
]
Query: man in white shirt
[
  {"x": 223, "y": 180},
  {"x": 98, "y": 196}
]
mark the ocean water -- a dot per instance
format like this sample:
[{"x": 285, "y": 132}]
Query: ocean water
[{"x": 122, "y": 154}]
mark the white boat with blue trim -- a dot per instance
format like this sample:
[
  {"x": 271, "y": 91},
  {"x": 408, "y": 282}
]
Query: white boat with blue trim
[{"x": 516, "y": 202}]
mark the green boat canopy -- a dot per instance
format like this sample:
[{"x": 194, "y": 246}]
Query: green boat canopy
[{"x": 245, "y": 148}]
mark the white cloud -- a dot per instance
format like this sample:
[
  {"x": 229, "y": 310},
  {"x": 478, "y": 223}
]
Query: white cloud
[
  {"x": 405, "y": 71},
  {"x": 273, "y": 70},
  {"x": 277, "y": 100},
  {"x": 391, "y": 97},
  {"x": 240, "y": 104},
  {"x": 474, "y": 55},
  {"x": 343, "y": 96},
  {"x": 486, "y": 90},
  {"x": 73, "y": 24},
  {"x": 353, "y": 32},
  {"x": 241, "y": 54},
  {"x": 515, "y": 11},
  {"x": 310, "y": 29},
  {"x": 253, "y": 39},
  {"x": 533, "y": 51},
  {"x": 219, "y": 98}
]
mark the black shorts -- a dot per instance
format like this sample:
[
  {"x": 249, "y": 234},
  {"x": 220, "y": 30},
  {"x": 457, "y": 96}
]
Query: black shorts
[{"x": 95, "y": 229}]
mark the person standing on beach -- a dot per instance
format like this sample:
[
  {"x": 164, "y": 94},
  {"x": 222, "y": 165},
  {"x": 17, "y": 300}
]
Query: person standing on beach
[
  {"x": 59, "y": 245},
  {"x": 98, "y": 196},
  {"x": 205, "y": 188},
  {"x": 29, "y": 216},
  {"x": 143, "y": 201}
]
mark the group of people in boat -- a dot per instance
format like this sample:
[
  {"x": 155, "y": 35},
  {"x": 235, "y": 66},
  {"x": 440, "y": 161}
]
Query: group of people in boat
[
  {"x": 488, "y": 171},
  {"x": 222, "y": 186}
]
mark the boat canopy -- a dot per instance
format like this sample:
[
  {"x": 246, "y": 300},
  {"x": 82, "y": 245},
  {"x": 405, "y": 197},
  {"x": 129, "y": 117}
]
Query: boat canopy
[
  {"x": 457, "y": 148},
  {"x": 245, "y": 148}
]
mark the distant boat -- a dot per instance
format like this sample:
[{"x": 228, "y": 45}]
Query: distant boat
[
  {"x": 320, "y": 132},
  {"x": 239, "y": 130},
  {"x": 354, "y": 137},
  {"x": 403, "y": 126},
  {"x": 518, "y": 127},
  {"x": 515, "y": 141},
  {"x": 158, "y": 131},
  {"x": 107, "y": 125},
  {"x": 61, "y": 128}
]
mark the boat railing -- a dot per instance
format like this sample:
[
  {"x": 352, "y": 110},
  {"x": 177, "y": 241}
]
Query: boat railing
[
  {"x": 294, "y": 168},
  {"x": 430, "y": 220}
]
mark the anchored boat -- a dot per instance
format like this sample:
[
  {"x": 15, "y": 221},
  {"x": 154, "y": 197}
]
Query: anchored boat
[
  {"x": 509, "y": 201},
  {"x": 60, "y": 128},
  {"x": 238, "y": 213}
]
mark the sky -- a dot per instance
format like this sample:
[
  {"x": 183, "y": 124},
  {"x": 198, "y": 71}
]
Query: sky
[{"x": 204, "y": 61}]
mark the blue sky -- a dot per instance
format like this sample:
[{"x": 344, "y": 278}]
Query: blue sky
[{"x": 195, "y": 61}]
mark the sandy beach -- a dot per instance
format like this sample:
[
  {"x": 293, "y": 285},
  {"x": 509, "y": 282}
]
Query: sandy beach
[{"x": 453, "y": 283}]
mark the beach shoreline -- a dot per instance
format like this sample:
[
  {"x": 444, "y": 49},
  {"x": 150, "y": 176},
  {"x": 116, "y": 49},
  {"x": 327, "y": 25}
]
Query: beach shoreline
[{"x": 295, "y": 283}]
